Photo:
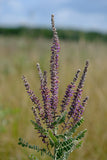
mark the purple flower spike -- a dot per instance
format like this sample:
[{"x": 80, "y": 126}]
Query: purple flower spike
[
  {"x": 46, "y": 100},
  {"x": 67, "y": 97},
  {"x": 85, "y": 101},
  {"x": 69, "y": 92},
  {"x": 76, "y": 76},
  {"x": 77, "y": 95},
  {"x": 83, "y": 75},
  {"x": 54, "y": 69},
  {"x": 45, "y": 96},
  {"x": 40, "y": 73},
  {"x": 33, "y": 98},
  {"x": 76, "y": 109},
  {"x": 79, "y": 111},
  {"x": 36, "y": 116}
]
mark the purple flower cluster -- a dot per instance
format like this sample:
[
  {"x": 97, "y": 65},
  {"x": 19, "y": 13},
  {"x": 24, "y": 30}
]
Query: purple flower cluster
[
  {"x": 36, "y": 102},
  {"x": 48, "y": 112},
  {"x": 79, "y": 111},
  {"x": 76, "y": 109},
  {"x": 45, "y": 96},
  {"x": 33, "y": 97},
  {"x": 69, "y": 93}
]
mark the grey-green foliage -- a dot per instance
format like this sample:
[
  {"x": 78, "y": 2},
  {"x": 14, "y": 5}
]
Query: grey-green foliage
[
  {"x": 32, "y": 157},
  {"x": 37, "y": 127},
  {"x": 69, "y": 143},
  {"x": 63, "y": 143},
  {"x": 37, "y": 148}
]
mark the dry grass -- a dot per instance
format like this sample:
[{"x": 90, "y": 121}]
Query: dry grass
[{"x": 19, "y": 56}]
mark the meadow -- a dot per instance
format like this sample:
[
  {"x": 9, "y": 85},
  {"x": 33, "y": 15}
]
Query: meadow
[{"x": 18, "y": 56}]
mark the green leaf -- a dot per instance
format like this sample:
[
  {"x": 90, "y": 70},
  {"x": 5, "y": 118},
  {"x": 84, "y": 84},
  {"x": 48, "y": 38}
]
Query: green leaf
[
  {"x": 36, "y": 125},
  {"x": 32, "y": 157},
  {"x": 40, "y": 128},
  {"x": 63, "y": 148},
  {"x": 42, "y": 150},
  {"x": 73, "y": 129},
  {"x": 53, "y": 138},
  {"x": 66, "y": 147},
  {"x": 51, "y": 142},
  {"x": 81, "y": 134},
  {"x": 61, "y": 136},
  {"x": 79, "y": 144}
]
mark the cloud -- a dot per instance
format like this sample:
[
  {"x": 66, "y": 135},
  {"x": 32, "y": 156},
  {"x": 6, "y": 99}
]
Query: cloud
[
  {"x": 14, "y": 4},
  {"x": 88, "y": 6},
  {"x": 83, "y": 14},
  {"x": 71, "y": 18}
]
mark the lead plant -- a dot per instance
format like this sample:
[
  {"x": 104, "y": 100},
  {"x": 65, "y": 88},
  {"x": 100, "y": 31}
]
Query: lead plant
[{"x": 56, "y": 128}]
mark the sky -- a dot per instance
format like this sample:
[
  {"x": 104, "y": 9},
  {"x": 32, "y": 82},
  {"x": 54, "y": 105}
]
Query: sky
[{"x": 74, "y": 14}]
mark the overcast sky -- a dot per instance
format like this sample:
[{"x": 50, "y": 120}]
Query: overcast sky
[{"x": 77, "y": 14}]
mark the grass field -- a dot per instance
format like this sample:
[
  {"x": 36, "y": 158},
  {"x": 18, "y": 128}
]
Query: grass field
[{"x": 19, "y": 56}]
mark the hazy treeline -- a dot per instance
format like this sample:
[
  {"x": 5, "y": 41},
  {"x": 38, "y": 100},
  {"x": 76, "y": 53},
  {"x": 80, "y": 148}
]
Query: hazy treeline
[{"x": 66, "y": 34}]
